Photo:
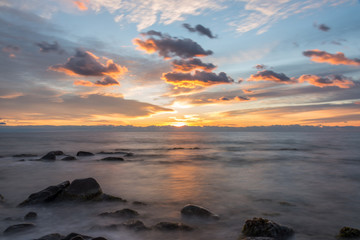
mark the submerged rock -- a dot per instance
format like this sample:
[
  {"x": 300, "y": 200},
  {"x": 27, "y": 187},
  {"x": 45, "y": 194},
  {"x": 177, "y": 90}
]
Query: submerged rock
[
  {"x": 260, "y": 227},
  {"x": 24, "y": 155},
  {"x": 348, "y": 232},
  {"x": 83, "y": 154},
  {"x": 52, "y": 236},
  {"x": 172, "y": 226},
  {"x": 45, "y": 196},
  {"x": 198, "y": 212},
  {"x": 30, "y": 216},
  {"x": 123, "y": 213},
  {"x": 69, "y": 158},
  {"x": 135, "y": 225},
  {"x": 18, "y": 228},
  {"x": 113, "y": 159}
]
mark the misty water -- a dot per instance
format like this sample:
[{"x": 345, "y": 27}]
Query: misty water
[{"x": 307, "y": 181}]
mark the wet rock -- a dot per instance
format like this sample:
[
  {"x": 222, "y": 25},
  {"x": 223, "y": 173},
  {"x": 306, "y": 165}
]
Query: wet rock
[
  {"x": 52, "y": 236},
  {"x": 76, "y": 236},
  {"x": 84, "y": 154},
  {"x": 198, "y": 212},
  {"x": 129, "y": 154},
  {"x": 50, "y": 156},
  {"x": 109, "y": 198},
  {"x": 138, "y": 203},
  {"x": 348, "y": 232},
  {"x": 260, "y": 227},
  {"x": 45, "y": 196},
  {"x": 82, "y": 189},
  {"x": 30, "y": 216},
  {"x": 69, "y": 158},
  {"x": 24, "y": 155},
  {"x": 18, "y": 228},
  {"x": 112, "y": 159},
  {"x": 99, "y": 238},
  {"x": 135, "y": 225},
  {"x": 123, "y": 213},
  {"x": 2, "y": 199},
  {"x": 172, "y": 226}
]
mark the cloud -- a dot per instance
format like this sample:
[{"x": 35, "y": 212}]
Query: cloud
[
  {"x": 333, "y": 80},
  {"x": 322, "y": 27},
  {"x": 81, "y": 5},
  {"x": 268, "y": 75},
  {"x": 260, "y": 66},
  {"x": 168, "y": 46},
  {"x": 46, "y": 47},
  {"x": 200, "y": 29},
  {"x": 11, "y": 50},
  {"x": 191, "y": 64},
  {"x": 220, "y": 100},
  {"x": 334, "y": 59},
  {"x": 104, "y": 82},
  {"x": 199, "y": 78},
  {"x": 85, "y": 63}
]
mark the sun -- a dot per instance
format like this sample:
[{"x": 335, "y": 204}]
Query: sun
[{"x": 178, "y": 124}]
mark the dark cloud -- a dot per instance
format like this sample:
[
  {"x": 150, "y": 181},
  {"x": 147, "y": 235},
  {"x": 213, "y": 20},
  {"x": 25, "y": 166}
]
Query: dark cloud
[
  {"x": 85, "y": 63},
  {"x": 334, "y": 59},
  {"x": 168, "y": 46},
  {"x": 219, "y": 100},
  {"x": 199, "y": 29},
  {"x": 46, "y": 47},
  {"x": 191, "y": 64},
  {"x": 268, "y": 75},
  {"x": 199, "y": 78},
  {"x": 322, "y": 27},
  {"x": 260, "y": 66},
  {"x": 107, "y": 81},
  {"x": 333, "y": 80}
]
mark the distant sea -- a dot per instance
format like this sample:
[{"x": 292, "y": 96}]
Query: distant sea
[{"x": 309, "y": 181}]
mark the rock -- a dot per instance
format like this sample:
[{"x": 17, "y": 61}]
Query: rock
[
  {"x": 260, "y": 227},
  {"x": 112, "y": 159},
  {"x": 47, "y": 195},
  {"x": 69, "y": 158},
  {"x": 135, "y": 225},
  {"x": 30, "y": 216},
  {"x": 1, "y": 198},
  {"x": 348, "y": 232},
  {"x": 73, "y": 236},
  {"x": 258, "y": 238},
  {"x": 102, "y": 152},
  {"x": 111, "y": 227},
  {"x": 109, "y": 198},
  {"x": 139, "y": 203},
  {"x": 82, "y": 189},
  {"x": 123, "y": 213},
  {"x": 129, "y": 154},
  {"x": 198, "y": 212},
  {"x": 24, "y": 155},
  {"x": 52, "y": 236},
  {"x": 50, "y": 156},
  {"x": 84, "y": 154},
  {"x": 172, "y": 226},
  {"x": 99, "y": 238},
  {"x": 18, "y": 228}
]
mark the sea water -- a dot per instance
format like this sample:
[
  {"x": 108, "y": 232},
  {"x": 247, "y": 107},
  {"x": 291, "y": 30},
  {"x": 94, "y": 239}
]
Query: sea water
[{"x": 307, "y": 181}]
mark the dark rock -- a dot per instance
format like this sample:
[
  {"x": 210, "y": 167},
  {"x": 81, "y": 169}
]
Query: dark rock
[
  {"x": 50, "y": 156},
  {"x": 30, "y": 216},
  {"x": 1, "y": 198},
  {"x": 57, "y": 153},
  {"x": 24, "y": 155},
  {"x": 198, "y": 212},
  {"x": 176, "y": 148},
  {"x": 72, "y": 236},
  {"x": 84, "y": 154},
  {"x": 69, "y": 158},
  {"x": 348, "y": 232},
  {"x": 260, "y": 227},
  {"x": 109, "y": 198},
  {"x": 102, "y": 152},
  {"x": 47, "y": 195},
  {"x": 123, "y": 213},
  {"x": 112, "y": 159},
  {"x": 139, "y": 203},
  {"x": 135, "y": 225},
  {"x": 99, "y": 238},
  {"x": 129, "y": 154},
  {"x": 172, "y": 226},
  {"x": 82, "y": 189},
  {"x": 258, "y": 238},
  {"x": 18, "y": 228},
  {"x": 52, "y": 236}
]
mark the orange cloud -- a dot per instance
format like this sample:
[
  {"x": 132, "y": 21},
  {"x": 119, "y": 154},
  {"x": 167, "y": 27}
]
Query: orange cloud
[
  {"x": 105, "y": 82},
  {"x": 148, "y": 45},
  {"x": 83, "y": 83},
  {"x": 191, "y": 64},
  {"x": 334, "y": 80},
  {"x": 81, "y": 5},
  {"x": 268, "y": 75},
  {"x": 334, "y": 59}
]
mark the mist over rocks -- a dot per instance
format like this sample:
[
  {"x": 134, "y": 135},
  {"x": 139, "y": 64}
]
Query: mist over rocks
[
  {"x": 261, "y": 227},
  {"x": 18, "y": 228},
  {"x": 194, "y": 211}
]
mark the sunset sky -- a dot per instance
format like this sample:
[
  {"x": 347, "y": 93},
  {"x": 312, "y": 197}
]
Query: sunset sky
[{"x": 172, "y": 62}]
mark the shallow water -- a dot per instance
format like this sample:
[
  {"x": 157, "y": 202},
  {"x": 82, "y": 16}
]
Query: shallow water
[{"x": 308, "y": 181}]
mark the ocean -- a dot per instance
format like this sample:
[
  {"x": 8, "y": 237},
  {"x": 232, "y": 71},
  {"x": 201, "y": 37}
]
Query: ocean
[{"x": 308, "y": 181}]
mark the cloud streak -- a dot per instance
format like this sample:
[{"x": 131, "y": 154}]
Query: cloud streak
[
  {"x": 200, "y": 29},
  {"x": 268, "y": 75},
  {"x": 339, "y": 58},
  {"x": 339, "y": 81}
]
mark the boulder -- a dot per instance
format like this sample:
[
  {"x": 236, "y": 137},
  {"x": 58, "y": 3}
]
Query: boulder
[
  {"x": 69, "y": 158},
  {"x": 172, "y": 226},
  {"x": 50, "y": 156},
  {"x": 123, "y": 213},
  {"x": 260, "y": 227},
  {"x": 112, "y": 159},
  {"x": 52, "y": 236},
  {"x": 348, "y": 232},
  {"x": 198, "y": 212},
  {"x": 84, "y": 154},
  {"x": 18, "y": 228},
  {"x": 45, "y": 196},
  {"x": 30, "y": 216},
  {"x": 82, "y": 189},
  {"x": 135, "y": 225}
]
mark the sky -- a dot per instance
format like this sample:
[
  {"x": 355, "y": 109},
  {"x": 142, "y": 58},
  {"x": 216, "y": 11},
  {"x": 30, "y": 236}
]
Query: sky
[{"x": 170, "y": 62}]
